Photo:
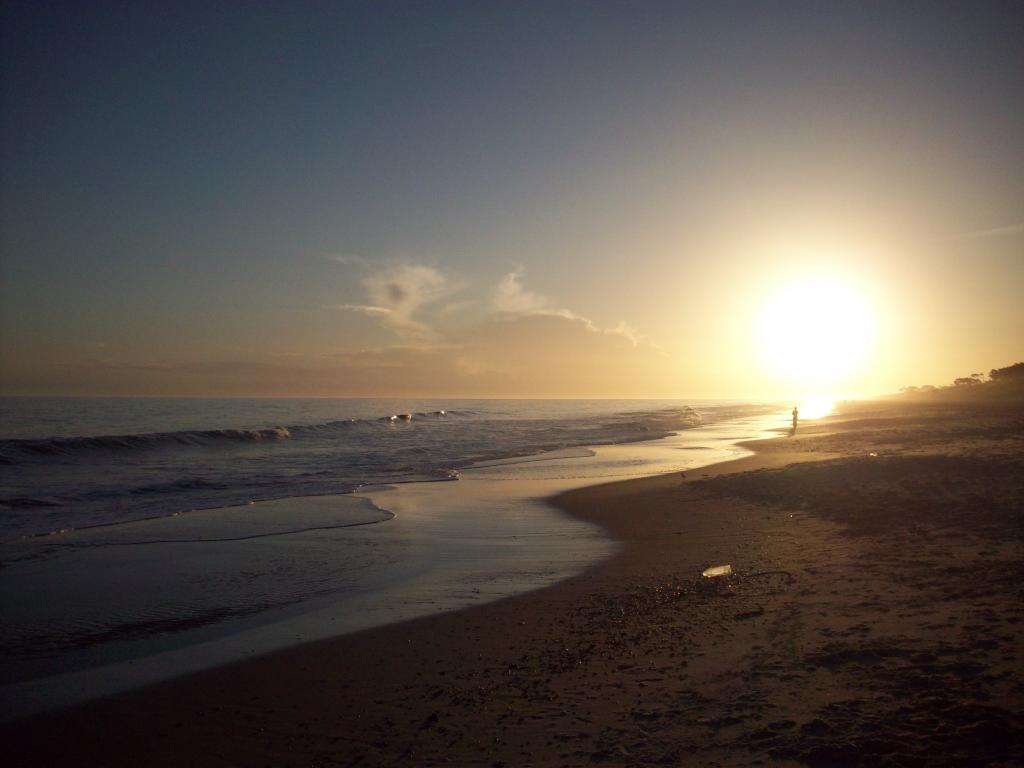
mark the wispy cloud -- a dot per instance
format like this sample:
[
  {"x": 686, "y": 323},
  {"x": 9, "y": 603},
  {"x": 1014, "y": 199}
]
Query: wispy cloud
[
  {"x": 510, "y": 297},
  {"x": 405, "y": 288},
  {"x": 406, "y": 298},
  {"x": 362, "y": 309},
  {"x": 398, "y": 293},
  {"x": 1008, "y": 229},
  {"x": 631, "y": 333}
]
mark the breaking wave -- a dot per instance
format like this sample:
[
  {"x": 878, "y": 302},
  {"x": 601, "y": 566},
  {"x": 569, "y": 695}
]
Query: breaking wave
[
  {"x": 13, "y": 451},
  {"x": 58, "y": 446},
  {"x": 66, "y": 482}
]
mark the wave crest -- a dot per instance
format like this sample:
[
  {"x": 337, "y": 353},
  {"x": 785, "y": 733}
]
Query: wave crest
[{"x": 66, "y": 446}]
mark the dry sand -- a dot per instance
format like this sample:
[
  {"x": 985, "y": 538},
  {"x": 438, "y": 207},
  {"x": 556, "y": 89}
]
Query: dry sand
[{"x": 875, "y": 618}]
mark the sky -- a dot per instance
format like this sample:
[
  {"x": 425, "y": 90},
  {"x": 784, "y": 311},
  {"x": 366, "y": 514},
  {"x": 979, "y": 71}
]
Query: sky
[{"x": 509, "y": 199}]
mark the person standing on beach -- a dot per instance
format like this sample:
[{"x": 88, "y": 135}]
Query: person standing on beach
[{"x": 796, "y": 415}]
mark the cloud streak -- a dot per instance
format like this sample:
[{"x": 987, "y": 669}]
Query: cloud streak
[
  {"x": 362, "y": 309},
  {"x": 510, "y": 297},
  {"x": 397, "y": 294},
  {"x": 404, "y": 298},
  {"x": 1009, "y": 229}
]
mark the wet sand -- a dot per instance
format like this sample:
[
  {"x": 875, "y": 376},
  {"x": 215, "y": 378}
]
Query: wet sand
[{"x": 874, "y": 618}]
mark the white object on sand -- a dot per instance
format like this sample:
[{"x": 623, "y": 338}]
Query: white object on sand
[{"x": 718, "y": 570}]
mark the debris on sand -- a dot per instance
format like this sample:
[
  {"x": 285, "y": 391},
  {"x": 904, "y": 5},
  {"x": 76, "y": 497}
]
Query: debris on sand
[{"x": 717, "y": 570}]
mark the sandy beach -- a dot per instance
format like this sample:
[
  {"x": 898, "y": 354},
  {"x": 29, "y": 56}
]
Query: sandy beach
[{"x": 874, "y": 617}]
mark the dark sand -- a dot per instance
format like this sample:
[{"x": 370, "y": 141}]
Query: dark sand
[{"x": 875, "y": 619}]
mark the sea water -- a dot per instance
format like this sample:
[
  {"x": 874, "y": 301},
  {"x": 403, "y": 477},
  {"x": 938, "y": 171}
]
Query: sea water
[{"x": 142, "y": 539}]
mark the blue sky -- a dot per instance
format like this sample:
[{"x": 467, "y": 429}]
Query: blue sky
[{"x": 223, "y": 185}]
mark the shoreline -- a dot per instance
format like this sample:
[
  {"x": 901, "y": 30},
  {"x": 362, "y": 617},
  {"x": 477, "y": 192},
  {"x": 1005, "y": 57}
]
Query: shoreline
[
  {"x": 638, "y": 660},
  {"x": 563, "y": 501},
  {"x": 458, "y": 559}
]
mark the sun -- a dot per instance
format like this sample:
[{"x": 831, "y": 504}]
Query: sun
[{"x": 816, "y": 332}]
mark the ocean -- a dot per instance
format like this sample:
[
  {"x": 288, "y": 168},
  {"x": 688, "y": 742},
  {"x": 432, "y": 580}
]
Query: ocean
[{"x": 144, "y": 538}]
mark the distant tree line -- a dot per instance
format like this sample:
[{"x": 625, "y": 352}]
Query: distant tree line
[{"x": 1011, "y": 374}]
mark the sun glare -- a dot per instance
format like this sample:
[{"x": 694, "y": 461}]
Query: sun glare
[
  {"x": 816, "y": 407},
  {"x": 816, "y": 332}
]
